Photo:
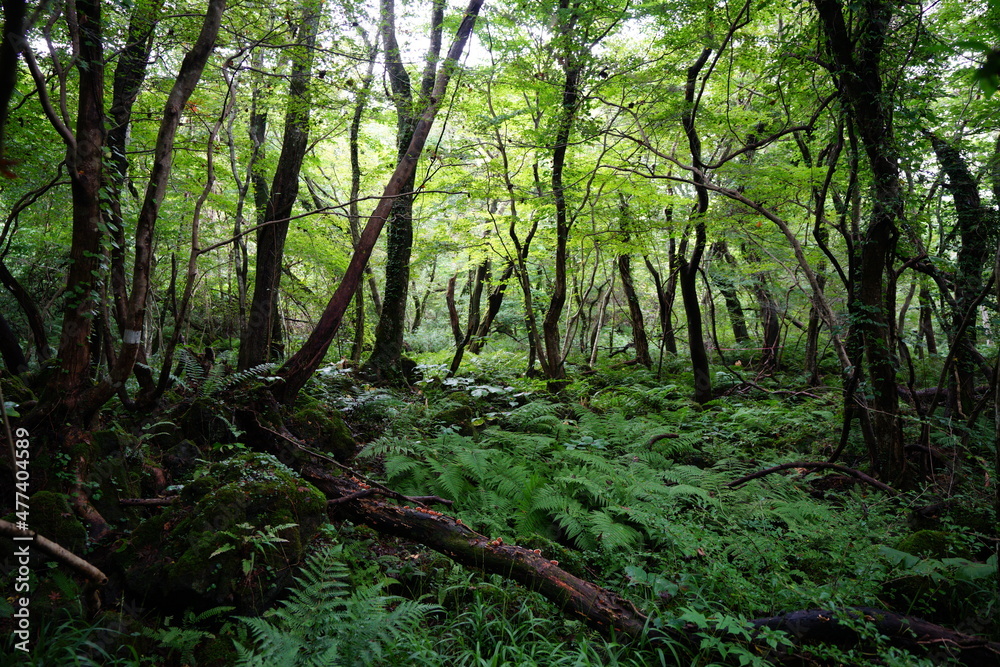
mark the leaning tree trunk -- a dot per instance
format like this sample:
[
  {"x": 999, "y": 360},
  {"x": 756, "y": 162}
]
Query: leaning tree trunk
[{"x": 297, "y": 370}]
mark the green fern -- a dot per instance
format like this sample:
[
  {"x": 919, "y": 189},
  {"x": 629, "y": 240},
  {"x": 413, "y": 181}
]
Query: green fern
[{"x": 324, "y": 622}]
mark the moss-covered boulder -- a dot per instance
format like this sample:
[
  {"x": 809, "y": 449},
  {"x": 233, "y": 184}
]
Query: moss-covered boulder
[
  {"x": 932, "y": 544},
  {"x": 206, "y": 422},
  {"x": 231, "y": 539},
  {"x": 15, "y": 389},
  {"x": 459, "y": 412},
  {"x": 323, "y": 430},
  {"x": 181, "y": 459},
  {"x": 52, "y": 517}
]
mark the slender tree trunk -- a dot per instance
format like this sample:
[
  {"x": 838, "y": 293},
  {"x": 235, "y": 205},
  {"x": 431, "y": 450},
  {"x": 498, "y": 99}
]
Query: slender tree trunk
[
  {"x": 36, "y": 323},
  {"x": 256, "y": 347},
  {"x": 731, "y": 296},
  {"x": 926, "y": 330},
  {"x": 552, "y": 364},
  {"x": 493, "y": 303},
  {"x": 628, "y": 287},
  {"x": 383, "y": 363},
  {"x": 859, "y": 79},
  {"x": 688, "y": 267},
  {"x": 10, "y": 349},
  {"x": 297, "y": 370}
]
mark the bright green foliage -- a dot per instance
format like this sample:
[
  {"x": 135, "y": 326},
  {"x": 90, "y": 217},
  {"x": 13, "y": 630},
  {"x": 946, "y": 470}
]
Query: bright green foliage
[{"x": 327, "y": 622}]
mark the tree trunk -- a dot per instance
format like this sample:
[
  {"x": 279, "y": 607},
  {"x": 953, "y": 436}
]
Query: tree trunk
[
  {"x": 926, "y": 330},
  {"x": 493, "y": 303},
  {"x": 36, "y": 323},
  {"x": 688, "y": 267},
  {"x": 10, "y": 349},
  {"x": 383, "y": 363},
  {"x": 297, "y": 370},
  {"x": 856, "y": 55},
  {"x": 552, "y": 364},
  {"x": 731, "y": 296},
  {"x": 973, "y": 256},
  {"x": 256, "y": 347},
  {"x": 86, "y": 151}
]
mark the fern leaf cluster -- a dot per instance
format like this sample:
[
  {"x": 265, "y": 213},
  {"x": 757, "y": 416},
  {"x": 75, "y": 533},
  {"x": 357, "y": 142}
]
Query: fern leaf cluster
[{"x": 325, "y": 622}]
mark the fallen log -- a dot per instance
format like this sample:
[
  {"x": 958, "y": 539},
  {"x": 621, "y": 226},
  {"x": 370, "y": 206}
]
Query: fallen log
[
  {"x": 600, "y": 608},
  {"x": 857, "y": 474},
  {"x": 907, "y": 632},
  {"x": 359, "y": 500}
]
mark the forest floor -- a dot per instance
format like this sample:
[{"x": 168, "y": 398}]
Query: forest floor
[{"x": 620, "y": 479}]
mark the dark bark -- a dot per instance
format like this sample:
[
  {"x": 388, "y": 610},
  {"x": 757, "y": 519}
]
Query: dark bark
[
  {"x": 383, "y": 363},
  {"x": 10, "y": 349},
  {"x": 551, "y": 360},
  {"x": 353, "y": 213},
  {"x": 184, "y": 84},
  {"x": 856, "y": 55},
  {"x": 731, "y": 297},
  {"x": 36, "y": 323},
  {"x": 257, "y": 344},
  {"x": 493, "y": 303},
  {"x": 130, "y": 73},
  {"x": 86, "y": 150},
  {"x": 477, "y": 278},
  {"x": 689, "y": 265},
  {"x": 297, "y": 370},
  {"x": 11, "y": 41},
  {"x": 456, "y": 327},
  {"x": 926, "y": 327},
  {"x": 974, "y": 255},
  {"x": 628, "y": 287}
]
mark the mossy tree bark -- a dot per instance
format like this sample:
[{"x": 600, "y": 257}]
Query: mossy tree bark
[{"x": 388, "y": 346}]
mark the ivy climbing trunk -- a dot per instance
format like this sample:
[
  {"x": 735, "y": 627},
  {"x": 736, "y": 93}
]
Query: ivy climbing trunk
[
  {"x": 383, "y": 364},
  {"x": 856, "y": 54}
]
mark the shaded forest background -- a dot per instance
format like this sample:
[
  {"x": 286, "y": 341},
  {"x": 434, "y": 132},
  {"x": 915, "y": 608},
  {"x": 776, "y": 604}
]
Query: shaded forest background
[{"x": 563, "y": 273}]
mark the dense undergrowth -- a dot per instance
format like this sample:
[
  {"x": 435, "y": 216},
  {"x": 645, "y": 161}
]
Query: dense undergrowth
[{"x": 623, "y": 480}]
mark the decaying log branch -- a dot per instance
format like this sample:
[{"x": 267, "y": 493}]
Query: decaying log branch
[
  {"x": 815, "y": 466},
  {"x": 600, "y": 608},
  {"x": 610, "y": 613},
  {"x": 56, "y": 551},
  {"x": 907, "y": 632}
]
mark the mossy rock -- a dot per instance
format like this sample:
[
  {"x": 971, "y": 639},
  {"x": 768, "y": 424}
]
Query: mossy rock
[
  {"x": 112, "y": 478},
  {"x": 325, "y": 431},
  {"x": 931, "y": 544},
  {"x": 203, "y": 423},
  {"x": 458, "y": 412},
  {"x": 52, "y": 517},
  {"x": 219, "y": 544},
  {"x": 111, "y": 442},
  {"x": 15, "y": 390},
  {"x": 181, "y": 459}
]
